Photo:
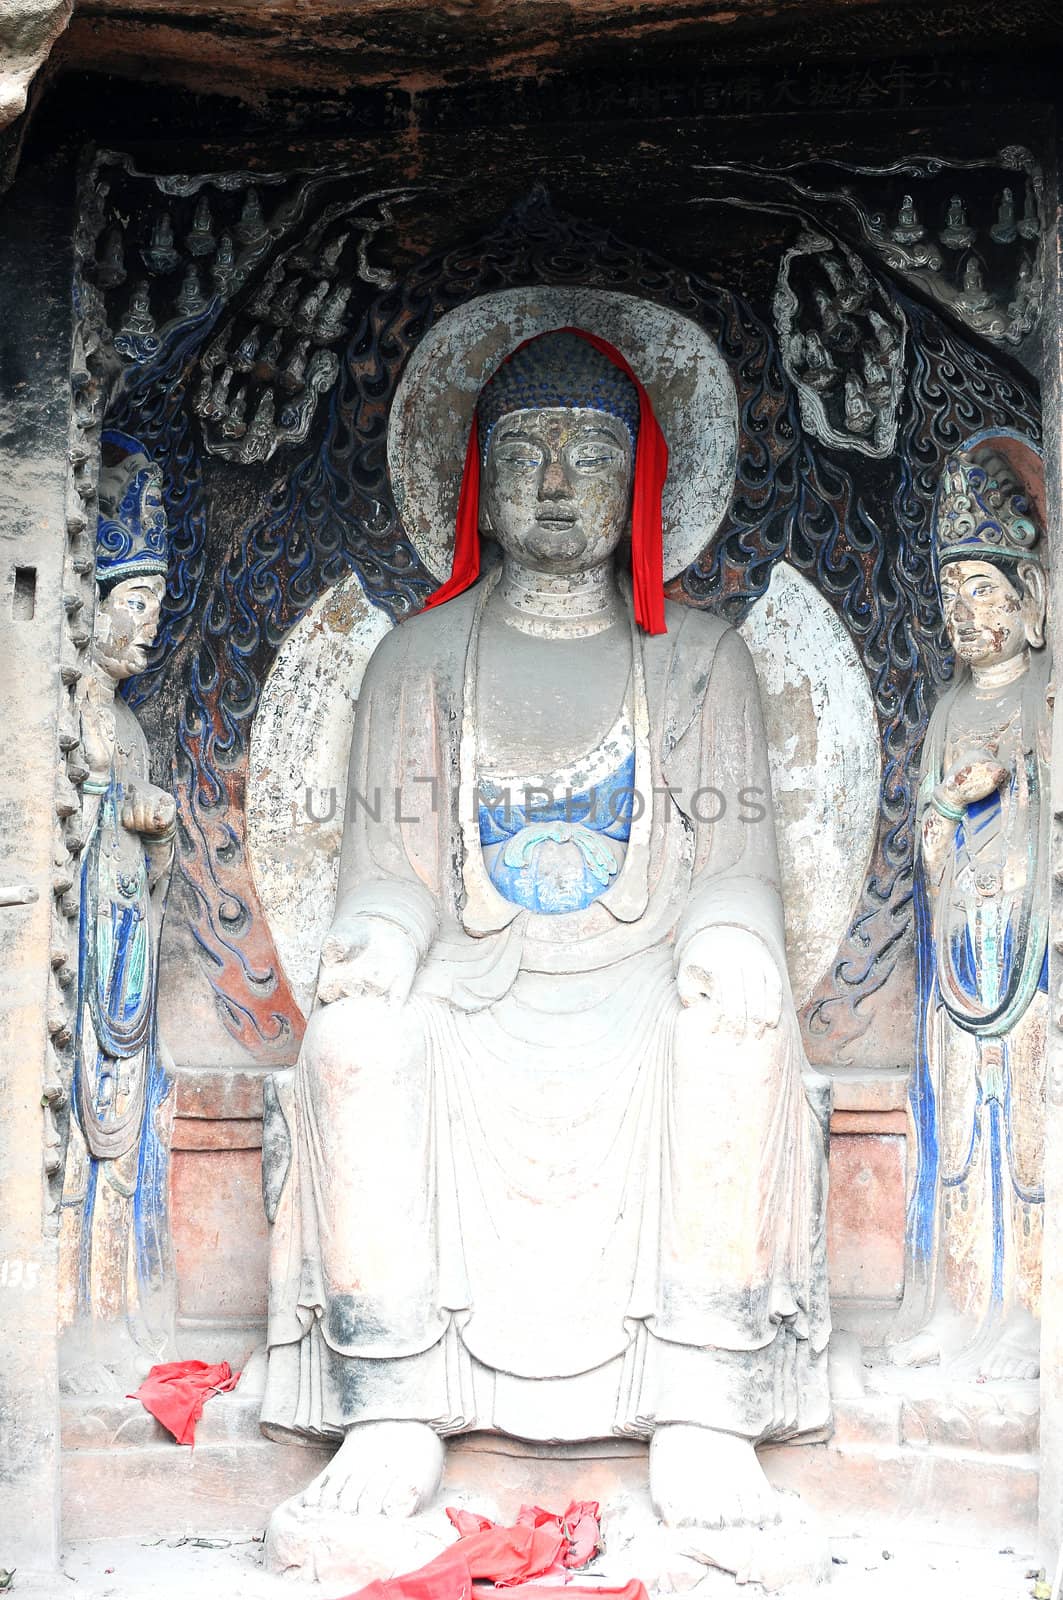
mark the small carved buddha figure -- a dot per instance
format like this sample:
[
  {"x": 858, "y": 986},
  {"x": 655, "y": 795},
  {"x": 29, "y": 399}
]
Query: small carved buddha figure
[
  {"x": 554, "y": 1166},
  {"x": 973, "y": 297},
  {"x": 138, "y": 319},
  {"x": 116, "y": 1267},
  {"x": 957, "y": 233},
  {"x": 983, "y": 813},
  {"x": 908, "y": 228}
]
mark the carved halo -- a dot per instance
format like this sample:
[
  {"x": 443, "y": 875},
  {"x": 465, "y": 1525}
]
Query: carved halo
[{"x": 687, "y": 378}]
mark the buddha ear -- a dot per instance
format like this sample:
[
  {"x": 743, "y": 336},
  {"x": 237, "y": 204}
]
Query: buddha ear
[{"x": 1034, "y": 596}]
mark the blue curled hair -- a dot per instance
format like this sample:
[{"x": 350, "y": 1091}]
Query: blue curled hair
[{"x": 557, "y": 369}]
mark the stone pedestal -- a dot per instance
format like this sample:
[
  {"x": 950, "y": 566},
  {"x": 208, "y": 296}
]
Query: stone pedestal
[{"x": 961, "y": 1461}]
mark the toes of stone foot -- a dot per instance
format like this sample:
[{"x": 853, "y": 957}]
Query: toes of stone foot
[
  {"x": 332, "y": 1492},
  {"x": 401, "y": 1500},
  {"x": 361, "y": 1496},
  {"x": 311, "y": 1495}
]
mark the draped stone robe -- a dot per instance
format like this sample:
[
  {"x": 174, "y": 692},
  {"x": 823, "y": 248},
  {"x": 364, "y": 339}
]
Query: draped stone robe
[
  {"x": 116, "y": 1277},
  {"x": 976, "y": 1205},
  {"x": 542, "y": 1197}
]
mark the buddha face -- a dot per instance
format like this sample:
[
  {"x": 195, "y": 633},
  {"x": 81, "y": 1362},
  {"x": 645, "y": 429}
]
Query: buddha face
[
  {"x": 989, "y": 617},
  {"x": 557, "y": 487},
  {"x": 127, "y": 619}
]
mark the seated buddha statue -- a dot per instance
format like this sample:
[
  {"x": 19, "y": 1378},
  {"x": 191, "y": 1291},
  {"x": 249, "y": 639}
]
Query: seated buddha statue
[{"x": 554, "y": 1163}]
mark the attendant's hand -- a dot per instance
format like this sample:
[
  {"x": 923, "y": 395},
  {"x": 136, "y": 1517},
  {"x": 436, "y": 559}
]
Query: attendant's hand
[
  {"x": 148, "y": 811},
  {"x": 97, "y": 734},
  {"x": 976, "y": 774},
  {"x": 366, "y": 955},
  {"x": 731, "y": 972}
]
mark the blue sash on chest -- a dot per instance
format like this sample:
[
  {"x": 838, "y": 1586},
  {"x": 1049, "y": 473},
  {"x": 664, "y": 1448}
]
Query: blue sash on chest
[{"x": 555, "y": 853}]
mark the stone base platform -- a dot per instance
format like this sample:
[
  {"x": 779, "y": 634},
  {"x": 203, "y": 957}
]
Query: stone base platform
[{"x": 905, "y": 1446}]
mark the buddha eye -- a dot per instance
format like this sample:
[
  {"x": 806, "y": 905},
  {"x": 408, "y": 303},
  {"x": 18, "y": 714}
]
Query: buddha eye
[
  {"x": 588, "y": 457},
  {"x": 519, "y": 454}
]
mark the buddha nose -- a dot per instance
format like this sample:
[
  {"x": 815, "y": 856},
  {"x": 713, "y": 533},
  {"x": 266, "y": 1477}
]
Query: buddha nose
[{"x": 554, "y": 482}]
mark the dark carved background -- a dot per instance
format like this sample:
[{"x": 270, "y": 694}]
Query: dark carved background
[{"x": 695, "y": 216}]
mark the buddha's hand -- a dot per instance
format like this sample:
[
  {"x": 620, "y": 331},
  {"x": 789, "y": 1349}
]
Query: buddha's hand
[
  {"x": 976, "y": 774},
  {"x": 366, "y": 955},
  {"x": 148, "y": 811},
  {"x": 732, "y": 974}
]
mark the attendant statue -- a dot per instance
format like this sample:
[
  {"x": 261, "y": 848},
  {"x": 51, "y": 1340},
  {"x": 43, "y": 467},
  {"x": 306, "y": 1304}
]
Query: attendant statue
[
  {"x": 982, "y": 894},
  {"x": 555, "y": 1165},
  {"x": 117, "y": 1272}
]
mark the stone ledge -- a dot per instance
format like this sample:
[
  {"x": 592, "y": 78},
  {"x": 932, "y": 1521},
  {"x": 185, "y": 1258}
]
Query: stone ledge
[
  {"x": 223, "y": 1093},
  {"x": 123, "y": 1473},
  {"x": 877, "y": 1122},
  {"x": 880, "y": 1090},
  {"x": 217, "y": 1133},
  {"x": 163, "y": 1489},
  {"x": 235, "y": 1093},
  {"x": 963, "y": 1489}
]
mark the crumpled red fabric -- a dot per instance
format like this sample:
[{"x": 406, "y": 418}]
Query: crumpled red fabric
[
  {"x": 175, "y": 1392},
  {"x": 530, "y": 1559}
]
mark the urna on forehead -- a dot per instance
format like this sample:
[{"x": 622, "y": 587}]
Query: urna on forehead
[{"x": 557, "y": 369}]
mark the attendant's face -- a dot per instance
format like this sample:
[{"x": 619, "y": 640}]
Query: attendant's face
[
  {"x": 990, "y": 619},
  {"x": 127, "y": 619},
  {"x": 557, "y": 487}
]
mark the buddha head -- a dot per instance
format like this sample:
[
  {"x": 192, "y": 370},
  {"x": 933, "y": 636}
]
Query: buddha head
[
  {"x": 558, "y": 431},
  {"x": 990, "y": 571},
  {"x": 131, "y": 557}
]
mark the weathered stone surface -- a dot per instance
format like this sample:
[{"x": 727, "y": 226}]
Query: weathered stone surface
[
  {"x": 347, "y": 1552},
  {"x": 35, "y": 341},
  {"x": 28, "y": 30},
  {"x": 233, "y": 1478},
  {"x": 866, "y": 1214},
  {"x": 825, "y": 765},
  {"x": 219, "y": 1238},
  {"x": 208, "y": 44}
]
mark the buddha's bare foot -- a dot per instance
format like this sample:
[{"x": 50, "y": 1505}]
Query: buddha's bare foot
[
  {"x": 923, "y": 1350},
  {"x": 389, "y": 1468},
  {"x": 1015, "y": 1353},
  {"x": 935, "y": 1343},
  {"x": 700, "y": 1478}
]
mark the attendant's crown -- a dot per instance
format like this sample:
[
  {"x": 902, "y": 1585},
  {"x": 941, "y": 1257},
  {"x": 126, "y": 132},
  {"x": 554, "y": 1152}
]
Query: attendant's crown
[
  {"x": 132, "y": 539},
  {"x": 982, "y": 511}
]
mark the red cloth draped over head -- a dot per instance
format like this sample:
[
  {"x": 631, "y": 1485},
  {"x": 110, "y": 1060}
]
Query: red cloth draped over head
[{"x": 647, "y": 534}]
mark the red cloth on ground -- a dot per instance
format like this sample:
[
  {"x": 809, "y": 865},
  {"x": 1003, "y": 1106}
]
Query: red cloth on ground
[
  {"x": 175, "y": 1393},
  {"x": 542, "y": 1546},
  {"x": 647, "y": 532}
]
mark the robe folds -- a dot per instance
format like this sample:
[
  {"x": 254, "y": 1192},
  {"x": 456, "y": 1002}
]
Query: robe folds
[
  {"x": 116, "y": 1274},
  {"x": 977, "y": 1096},
  {"x": 542, "y": 1196}
]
